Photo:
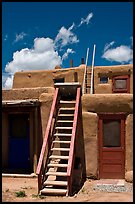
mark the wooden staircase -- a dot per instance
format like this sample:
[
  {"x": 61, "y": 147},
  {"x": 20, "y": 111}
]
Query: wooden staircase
[{"x": 55, "y": 176}]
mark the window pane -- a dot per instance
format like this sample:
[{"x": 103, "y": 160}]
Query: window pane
[
  {"x": 111, "y": 133},
  {"x": 120, "y": 83},
  {"x": 103, "y": 80}
]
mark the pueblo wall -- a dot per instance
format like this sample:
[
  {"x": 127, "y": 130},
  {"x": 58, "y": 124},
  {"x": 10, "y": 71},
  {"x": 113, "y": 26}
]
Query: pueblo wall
[
  {"x": 101, "y": 103},
  {"x": 110, "y": 72},
  {"x": 25, "y": 93},
  {"x": 45, "y": 78}
]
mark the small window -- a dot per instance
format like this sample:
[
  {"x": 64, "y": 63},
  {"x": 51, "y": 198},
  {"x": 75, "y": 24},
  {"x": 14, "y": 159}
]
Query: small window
[
  {"x": 121, "y": 84},
  {"x": 103, "y": 80}
]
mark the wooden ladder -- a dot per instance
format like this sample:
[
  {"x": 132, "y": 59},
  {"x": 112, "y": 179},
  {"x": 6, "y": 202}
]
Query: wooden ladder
[{"x": 55, "y": 182}]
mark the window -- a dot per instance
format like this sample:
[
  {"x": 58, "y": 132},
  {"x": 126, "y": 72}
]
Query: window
[
  {"x": 121, "y": 84},
  {"x": 111, "y": 133},
  {"x": 103, "y": 80}
]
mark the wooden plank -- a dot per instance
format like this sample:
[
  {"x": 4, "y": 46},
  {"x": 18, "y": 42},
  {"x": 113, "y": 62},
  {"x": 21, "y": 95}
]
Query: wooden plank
[
  {"x": 58, "y": 157},
  {"x": 63, "y": 128},
  {"x": 53, "y": 191},
  {"x": 60, "y": 149},
  {"x": 62, "y": 142},
  {"x": 62, "y": 134},
  {"x": 57, "y": 183},
  {"x": 57, "y": 165},
  {"x": 56, "y": 173}
]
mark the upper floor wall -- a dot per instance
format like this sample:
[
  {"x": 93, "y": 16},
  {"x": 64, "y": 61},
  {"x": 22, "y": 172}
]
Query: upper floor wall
[
  {"x": 113, "y": 79},
  {"x": 107, "y": 79}
]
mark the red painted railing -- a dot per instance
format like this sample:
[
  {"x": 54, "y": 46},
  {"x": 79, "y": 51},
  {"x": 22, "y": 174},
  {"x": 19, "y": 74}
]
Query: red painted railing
[
  {"x": 72, "y": 145},
  {"x": 46, "y": 140}
]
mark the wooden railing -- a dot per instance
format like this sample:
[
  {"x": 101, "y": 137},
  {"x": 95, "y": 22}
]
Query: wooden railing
[
  {"x": 46, "y": 141},
  {"x": 72, "y": 145}
]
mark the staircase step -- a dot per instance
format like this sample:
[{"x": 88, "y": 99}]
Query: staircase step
[
  {"x": 66, "y": 102},
  {"x": 56, "y": 173},
  {"x": 66, "y": 109},
  {"x": 60, "y": 149},
  {"x": 66, "y": 115},
  {"x": 62, "y": 134},
  {"x": 64, "y": 121},
  {"x": 62, "y": 142},
  {"x": 57, "y": 183},
  {"x": 64, "y": 128},
  {"x": 53, "y": 191},
  {"x": 58, "y": 157},
  {"x": 57, "y": 165}
]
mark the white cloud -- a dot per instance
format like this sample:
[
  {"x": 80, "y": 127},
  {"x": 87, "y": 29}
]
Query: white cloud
[
  {"x": 65, "y": 55},
  {"x": 121, "y": 54},
  {"x": 41, "y": 57},
  {"x": 6, "y": 37},
  {"x": 86, "y": 20},
  {"x": 19, "y": 37},
  {"x": 108, "y": 45},
  {"x": 65, "y": 37}
]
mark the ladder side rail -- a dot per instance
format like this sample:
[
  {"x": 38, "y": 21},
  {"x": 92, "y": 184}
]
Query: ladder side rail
[
  {"x": 92, "y": 71},
  {"x": 72, "y": 145},
  {"x": 85, "y": 70},
  {"x": 46, "y": 138}
]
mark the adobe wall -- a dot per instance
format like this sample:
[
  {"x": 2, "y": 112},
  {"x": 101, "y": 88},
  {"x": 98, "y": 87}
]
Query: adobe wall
[
  {"x": 25, "y": 93},
  {"x": 129, "y": 143},
  {"x": 111, "y": 71},
  {"x": 44, "y": 78},
  {"x": 46, "y": 103}
]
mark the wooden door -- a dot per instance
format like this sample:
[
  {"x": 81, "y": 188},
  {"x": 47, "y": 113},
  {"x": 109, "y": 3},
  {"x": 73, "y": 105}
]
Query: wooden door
[
  {"x": 19, "y": 144},
  {"x": 111, "y": 146}
]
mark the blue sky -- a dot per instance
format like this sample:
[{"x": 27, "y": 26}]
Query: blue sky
[{"x": 40, "y": 35}]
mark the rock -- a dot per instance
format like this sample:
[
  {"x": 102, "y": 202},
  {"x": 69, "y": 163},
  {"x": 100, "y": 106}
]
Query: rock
[{"x": 129, "y": 176}]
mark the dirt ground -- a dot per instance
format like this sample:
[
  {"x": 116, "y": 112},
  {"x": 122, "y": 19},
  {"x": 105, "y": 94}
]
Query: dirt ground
[{"x": 10, "y": 186}]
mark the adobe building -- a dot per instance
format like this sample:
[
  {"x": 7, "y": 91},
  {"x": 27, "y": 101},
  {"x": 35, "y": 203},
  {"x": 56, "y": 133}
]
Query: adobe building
[{"x": 105, "y": 147}]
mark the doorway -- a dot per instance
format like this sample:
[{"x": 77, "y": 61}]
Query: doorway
[
  {"x": 111, "y": 137},
  {"x": 19, "y": 142}
]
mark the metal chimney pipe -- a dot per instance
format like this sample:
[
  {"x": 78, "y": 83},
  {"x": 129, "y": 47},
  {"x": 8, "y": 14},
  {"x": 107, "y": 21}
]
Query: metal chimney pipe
[
  {"x": 82, "y": 61},
  {"x": 71, "y": 63}
]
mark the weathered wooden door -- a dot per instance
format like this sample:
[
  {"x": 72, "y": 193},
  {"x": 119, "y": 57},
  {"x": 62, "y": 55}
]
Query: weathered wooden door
[
  {"x": 19, "y": 147},
  {"x": 111, "y": 146}
]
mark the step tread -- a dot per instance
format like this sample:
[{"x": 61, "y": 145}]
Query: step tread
[
  {"x": 61, "y": 101},
  {"x": 57, "y": 165},
  {"x": 61, "y": 128},
  {"x": 66, "y": 115},
  {"x": 58, "y": 157},
  {"x": 64, "y": 121},
  {"x": 66, "y": 108},
  {"x": 56, "y": 173},
  {"x": 58, "y": 183},
  {"x": 53, "y": 191},
  {"x": 62, "y": 134},
  {"x": 61, "y": 141},
  {"x": 61, "y": 149}
]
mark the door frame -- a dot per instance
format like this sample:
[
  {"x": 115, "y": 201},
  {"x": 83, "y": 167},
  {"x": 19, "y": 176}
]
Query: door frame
[{"x": 101, "y": 117}]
